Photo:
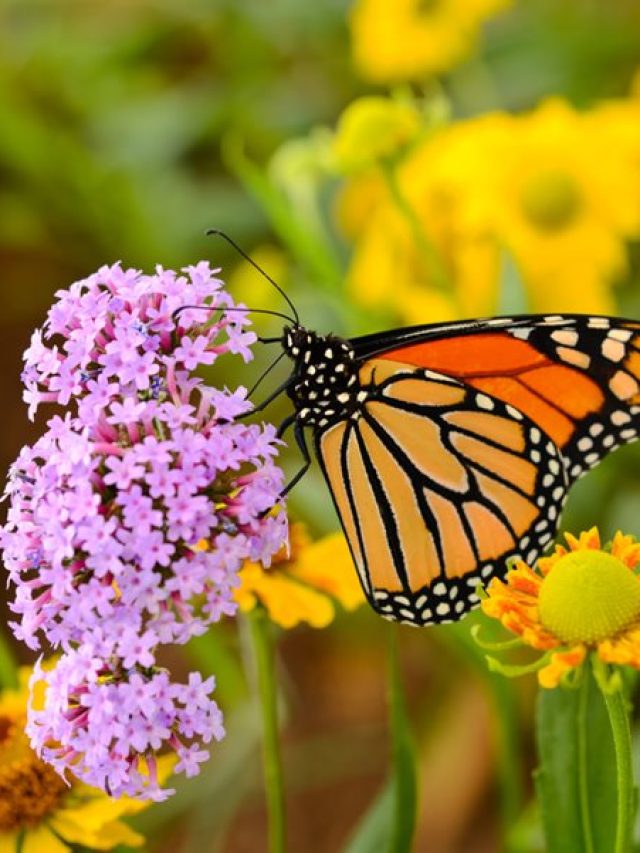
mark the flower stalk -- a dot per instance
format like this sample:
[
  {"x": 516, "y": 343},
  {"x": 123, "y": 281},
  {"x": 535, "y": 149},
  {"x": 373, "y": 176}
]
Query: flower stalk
[
  {"x": 582, "y": 755},
  {"x": 264, "y": 654},
  {"x": 618, "y": 712},
  {"x": 403, "y": 753},
  {"x": 441, "y": 280},
  {"x": 8, "y": 667}
]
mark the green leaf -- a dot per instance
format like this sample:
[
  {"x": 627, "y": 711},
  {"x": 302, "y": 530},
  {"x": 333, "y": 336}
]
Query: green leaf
[
  {"x": 373, "y": 833},
  {"x": 576, "y": 777}
]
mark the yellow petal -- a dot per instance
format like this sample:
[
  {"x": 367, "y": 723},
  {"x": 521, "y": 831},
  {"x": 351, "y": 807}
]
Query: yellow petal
[
  {"x": 327, "y": 565},
  {"x": 43, "y": 840},
  {"x": 9, "y": 842},
  {"x": 105, "y": 836},
  {"x": 561, "y": 663}
]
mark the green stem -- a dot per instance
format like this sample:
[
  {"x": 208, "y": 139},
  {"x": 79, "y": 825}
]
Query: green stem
[
  {"x": 582, "y": 756},
  {"x": 403, "y": 753},
  {"x": 619, "y": 719},
  {"x": 440, "y": 277},
  {"x": 263, "y": 648},
  {"x": 8, "y": 665}
]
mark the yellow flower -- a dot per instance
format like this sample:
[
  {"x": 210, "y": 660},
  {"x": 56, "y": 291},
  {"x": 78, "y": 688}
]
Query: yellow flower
[
  {"x": 372, "y": 129},
  {"x": 557, "y": 190},
  {"x": 302, "y": 587},
  {"x": 429, "y": 259},
  {"x": 37, "y": 805},
  {"x": 395, "y": 40},
  {"x": 560, "y": 192},
  {"x": 582, "y": 599}
]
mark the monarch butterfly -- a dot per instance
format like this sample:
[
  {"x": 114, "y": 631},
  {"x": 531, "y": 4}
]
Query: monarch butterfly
[{"x": 449, "y": 448}]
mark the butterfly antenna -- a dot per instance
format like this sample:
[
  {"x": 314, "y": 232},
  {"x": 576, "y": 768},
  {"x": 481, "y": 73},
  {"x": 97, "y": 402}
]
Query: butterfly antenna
[
  {"x": 224, "y": 310},
  {"x": 215, "y": 232},
  {"x": 265, "y": 373}
]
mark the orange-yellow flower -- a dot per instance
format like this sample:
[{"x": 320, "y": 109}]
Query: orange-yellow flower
[
  {"x": 582, "y": 599},
  {"x": 302, "y": 586},
  {"x": 37, "y": 806}
]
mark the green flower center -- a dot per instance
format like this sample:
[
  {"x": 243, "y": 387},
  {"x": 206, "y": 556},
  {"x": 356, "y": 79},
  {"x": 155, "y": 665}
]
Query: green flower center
[
  {"x": 551, "y": 200},
  {"x": 589, "y": 596},
  {"x": 427, "y": 7}
]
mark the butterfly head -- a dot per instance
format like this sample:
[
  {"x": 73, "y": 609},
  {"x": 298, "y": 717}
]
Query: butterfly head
[{"x": 325, "y": 386}]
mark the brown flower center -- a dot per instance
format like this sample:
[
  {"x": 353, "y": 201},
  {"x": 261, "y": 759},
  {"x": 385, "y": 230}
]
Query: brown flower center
[{"x": 29, "y": 789}]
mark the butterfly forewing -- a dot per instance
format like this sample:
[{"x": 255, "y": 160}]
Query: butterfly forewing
[{"x": 577, "y": 377}]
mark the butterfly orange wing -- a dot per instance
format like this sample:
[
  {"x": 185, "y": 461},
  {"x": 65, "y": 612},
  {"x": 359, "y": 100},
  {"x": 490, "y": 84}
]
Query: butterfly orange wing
[
  {"x": 435, "y": 488},
  {"x": 577, "y": 378}
]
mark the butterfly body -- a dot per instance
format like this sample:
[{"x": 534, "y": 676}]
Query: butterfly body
[
  {"x": 450, "y": 448},
  {"x": 324, "y": 387}
]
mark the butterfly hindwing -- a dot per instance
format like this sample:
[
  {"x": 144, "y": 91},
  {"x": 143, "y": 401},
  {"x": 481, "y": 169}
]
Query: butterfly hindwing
[{"x": 436, "y": 485}]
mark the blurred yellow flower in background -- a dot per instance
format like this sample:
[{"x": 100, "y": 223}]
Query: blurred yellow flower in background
[
  {"x": 39, "y": 812},
  {"x": 555, "y": 190},
  {"x": 302, "y": 586},
  {"x": 374, "y": 128},
  {"x": 582, "y": 599},
  {"x": 561, "y": 194},
  {"x": 396, "y": 40},
  {"x": 418, "y": 254}
]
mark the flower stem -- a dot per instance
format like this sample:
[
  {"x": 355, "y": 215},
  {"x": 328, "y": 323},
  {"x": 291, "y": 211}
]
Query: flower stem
[
  {"x": 582, "y": 756},
  {"x": 619, "y": 719},
  {"x": 263, "y": 648},
  {"x": 8, "y": 665},
  {"x": 440, "y": 278},
  {"x": 404, "y": 763}
]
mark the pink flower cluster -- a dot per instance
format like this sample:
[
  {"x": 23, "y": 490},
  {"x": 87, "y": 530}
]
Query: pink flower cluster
[
  {"x": 106, "y": 725},
  {"x": 130, "y": 517}
]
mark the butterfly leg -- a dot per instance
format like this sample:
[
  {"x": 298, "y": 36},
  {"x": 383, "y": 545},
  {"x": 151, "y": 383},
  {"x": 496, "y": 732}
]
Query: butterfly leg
[
  {"x": 266, "y": 402},
  {"x": 298, "y": 433}
]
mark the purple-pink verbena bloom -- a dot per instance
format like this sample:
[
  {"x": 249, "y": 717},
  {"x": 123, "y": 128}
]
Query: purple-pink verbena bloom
[
  {"x": 137, "y": 509},
  {"x": 138, "y": 528},
  {"x": 131, "y": 516},
  {"x": 120, "y": 334},
  {"x": 106, "y": 722}
]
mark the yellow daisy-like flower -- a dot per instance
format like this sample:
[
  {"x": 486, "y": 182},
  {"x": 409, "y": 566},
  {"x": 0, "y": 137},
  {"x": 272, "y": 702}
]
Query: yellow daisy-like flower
[
  {"x": 397, "y": 40},
  {"x": 561, "y": 193},
  {"x": 301, "y": 586},
  {"x": 557, "y": 190},
  {"x": 582, "y": 599},
  {"x": 37, "y": 806}
]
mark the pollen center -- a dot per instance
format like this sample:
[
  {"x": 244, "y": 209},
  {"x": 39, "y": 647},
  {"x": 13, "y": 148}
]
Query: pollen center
[
  {"x": 551, "y": 200},
  {"x": 589, "y": 596},
  {"x": 29, "y": 789}
]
